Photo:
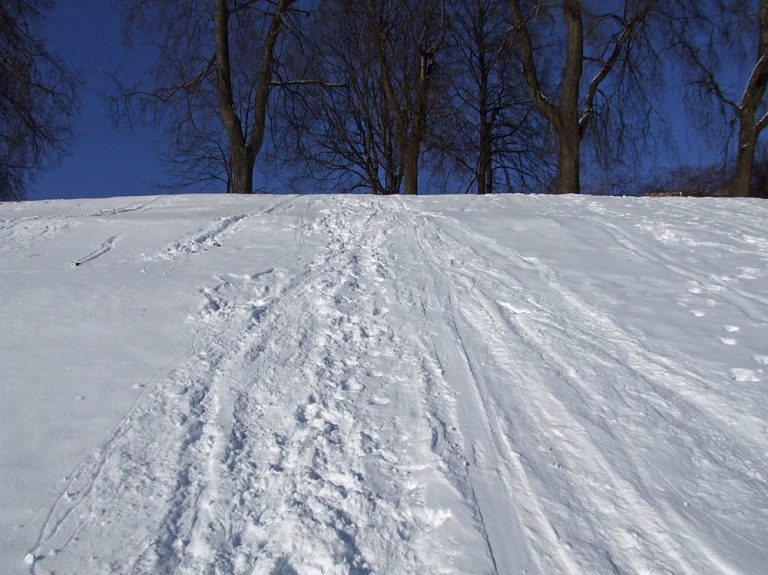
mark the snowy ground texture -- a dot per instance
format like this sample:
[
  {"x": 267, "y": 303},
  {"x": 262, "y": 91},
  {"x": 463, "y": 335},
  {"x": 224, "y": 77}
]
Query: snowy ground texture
[{"x": 284, "y": 385}]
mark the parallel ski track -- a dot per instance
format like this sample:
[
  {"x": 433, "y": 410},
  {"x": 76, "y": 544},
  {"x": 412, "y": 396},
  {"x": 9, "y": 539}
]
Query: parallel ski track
[{"x": 529, "y": 330}]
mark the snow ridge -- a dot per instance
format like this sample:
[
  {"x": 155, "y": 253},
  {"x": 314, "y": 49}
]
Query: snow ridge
[{"x": 204, "y": 239}]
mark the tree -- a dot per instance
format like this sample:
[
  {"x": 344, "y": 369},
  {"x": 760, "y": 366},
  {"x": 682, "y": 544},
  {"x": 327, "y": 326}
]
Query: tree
[
  {"x": 38, "y": 98},
  {"x": 215, "y": 66},
  {"x": 759, "y": 188},
  {"x": 714, "y": 39},
  {"x": 360, "y": 119},
  {"x": 336, "y": 126},
  {"x": 408, "y": 35},
  {"x": 490, "y": 132},
  {"x": 592, "y": 39}
]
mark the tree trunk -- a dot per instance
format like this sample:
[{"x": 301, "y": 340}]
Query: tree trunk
[
  {"x": 410, "y": 121},
  {"x": 749, "y": 131},
  {"x": 484, "y": 175},
  {"x": 569, "y": 124},
  {"x": 243, "y": 162},
  {"x": 244, "y": 153},
  {"x": 568, "y": 156},
  {"x": 564, "y": 116},
  {"x": 567, "y": 116},
  {"x": 411, "y": 168},
  {"x": 229, "y": 117},
  {"x": 745, "y": 158}
]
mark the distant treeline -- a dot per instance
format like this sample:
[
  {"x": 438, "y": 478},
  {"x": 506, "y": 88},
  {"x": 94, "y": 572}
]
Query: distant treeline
[{"x": 481, "y": 96}]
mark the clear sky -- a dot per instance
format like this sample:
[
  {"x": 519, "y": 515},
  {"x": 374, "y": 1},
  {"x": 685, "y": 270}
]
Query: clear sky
[
  {"x": 106, "y": 161},
  {"x": 110, "y": 161}
]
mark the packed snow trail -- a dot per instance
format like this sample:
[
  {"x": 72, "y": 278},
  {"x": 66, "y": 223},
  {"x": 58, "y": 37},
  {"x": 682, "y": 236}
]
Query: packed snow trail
[
  {"x": 588, "y": 422},
  {"x": 401, "y": 393},
  {"x": 299, "y": 436}
]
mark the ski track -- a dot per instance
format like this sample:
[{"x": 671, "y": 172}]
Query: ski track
[
  {"x": 301, "y": 436},
  {"x": 105, "y": 247},
  {"x": 214, "y": 234},
  {"x": 339, "y": 417},
  {"x": 201, "y": 240},
  {"x": 18, "y": 235},
  {"x": 631, "y": 511}
]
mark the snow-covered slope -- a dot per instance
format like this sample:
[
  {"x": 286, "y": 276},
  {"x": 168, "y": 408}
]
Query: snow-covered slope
[{"x": 351, "y": 385}]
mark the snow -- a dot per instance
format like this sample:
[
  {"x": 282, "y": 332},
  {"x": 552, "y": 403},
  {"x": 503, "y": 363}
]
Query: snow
[{"x": 307, "y": 385}]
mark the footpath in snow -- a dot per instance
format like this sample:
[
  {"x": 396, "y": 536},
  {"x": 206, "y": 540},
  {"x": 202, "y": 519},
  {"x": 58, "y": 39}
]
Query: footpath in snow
[{"x": 296, "y": 385}]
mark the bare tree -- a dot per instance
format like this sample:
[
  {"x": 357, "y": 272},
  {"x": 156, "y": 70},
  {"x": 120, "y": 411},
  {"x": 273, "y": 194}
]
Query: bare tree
[
  {"x": 408, "y": 35},
  {"x": 360, "y": 118},
  {"x": 592, "y": 38},
  {"x": 722, "y": 41},
  {"x": 336, "y": 126},
  {"x": 38, "y": 98},
  {"x": 216, "y": 60},
  {"x": 489, "y": 131}
]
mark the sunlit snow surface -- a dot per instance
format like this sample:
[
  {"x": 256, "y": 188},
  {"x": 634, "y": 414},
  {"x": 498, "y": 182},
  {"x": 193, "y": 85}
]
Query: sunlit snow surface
[{"x": 352, "y": 385}]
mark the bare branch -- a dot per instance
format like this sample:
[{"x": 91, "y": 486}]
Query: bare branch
[{"x": 607, "y": 66}]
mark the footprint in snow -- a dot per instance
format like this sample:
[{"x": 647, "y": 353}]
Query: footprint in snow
[
  {"x": 730, "y": 329},
  {"x": 743, "y": 375},
  {"x": 698, "y": 313},
  {"x": 749, "y": 273},
  {"x": 763, "y": 359}
]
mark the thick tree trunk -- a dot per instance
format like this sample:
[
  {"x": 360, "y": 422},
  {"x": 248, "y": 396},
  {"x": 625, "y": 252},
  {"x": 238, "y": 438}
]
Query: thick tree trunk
[
  {"x": 243, "y": 162},
  {"x": 745, "y": 158},
  {"x": 567, "y": 117},
  {"x": 568, "y": 155},
  {"x": 569, "y": 124},
  {"x": 564, "y": 116},
  {"x": 411, "y": 168},
  {"x": 244, "y": 153}
]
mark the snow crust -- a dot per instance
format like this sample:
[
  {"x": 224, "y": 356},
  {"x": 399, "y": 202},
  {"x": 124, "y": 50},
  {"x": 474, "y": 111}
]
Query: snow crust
[{"x": 305, "y": 385}]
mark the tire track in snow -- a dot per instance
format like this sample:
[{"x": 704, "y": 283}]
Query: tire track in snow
[
  {"x": 538, "y": 323},
  {"x": 294, "y": 439}
]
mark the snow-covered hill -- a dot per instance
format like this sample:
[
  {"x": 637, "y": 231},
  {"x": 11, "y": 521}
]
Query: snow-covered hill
[{"x": 352, "y": 385}]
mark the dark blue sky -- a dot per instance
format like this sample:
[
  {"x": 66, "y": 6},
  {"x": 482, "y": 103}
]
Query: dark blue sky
[
  {"x": 106, "y": 161},
  {"x": 110, "y": 161}
]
